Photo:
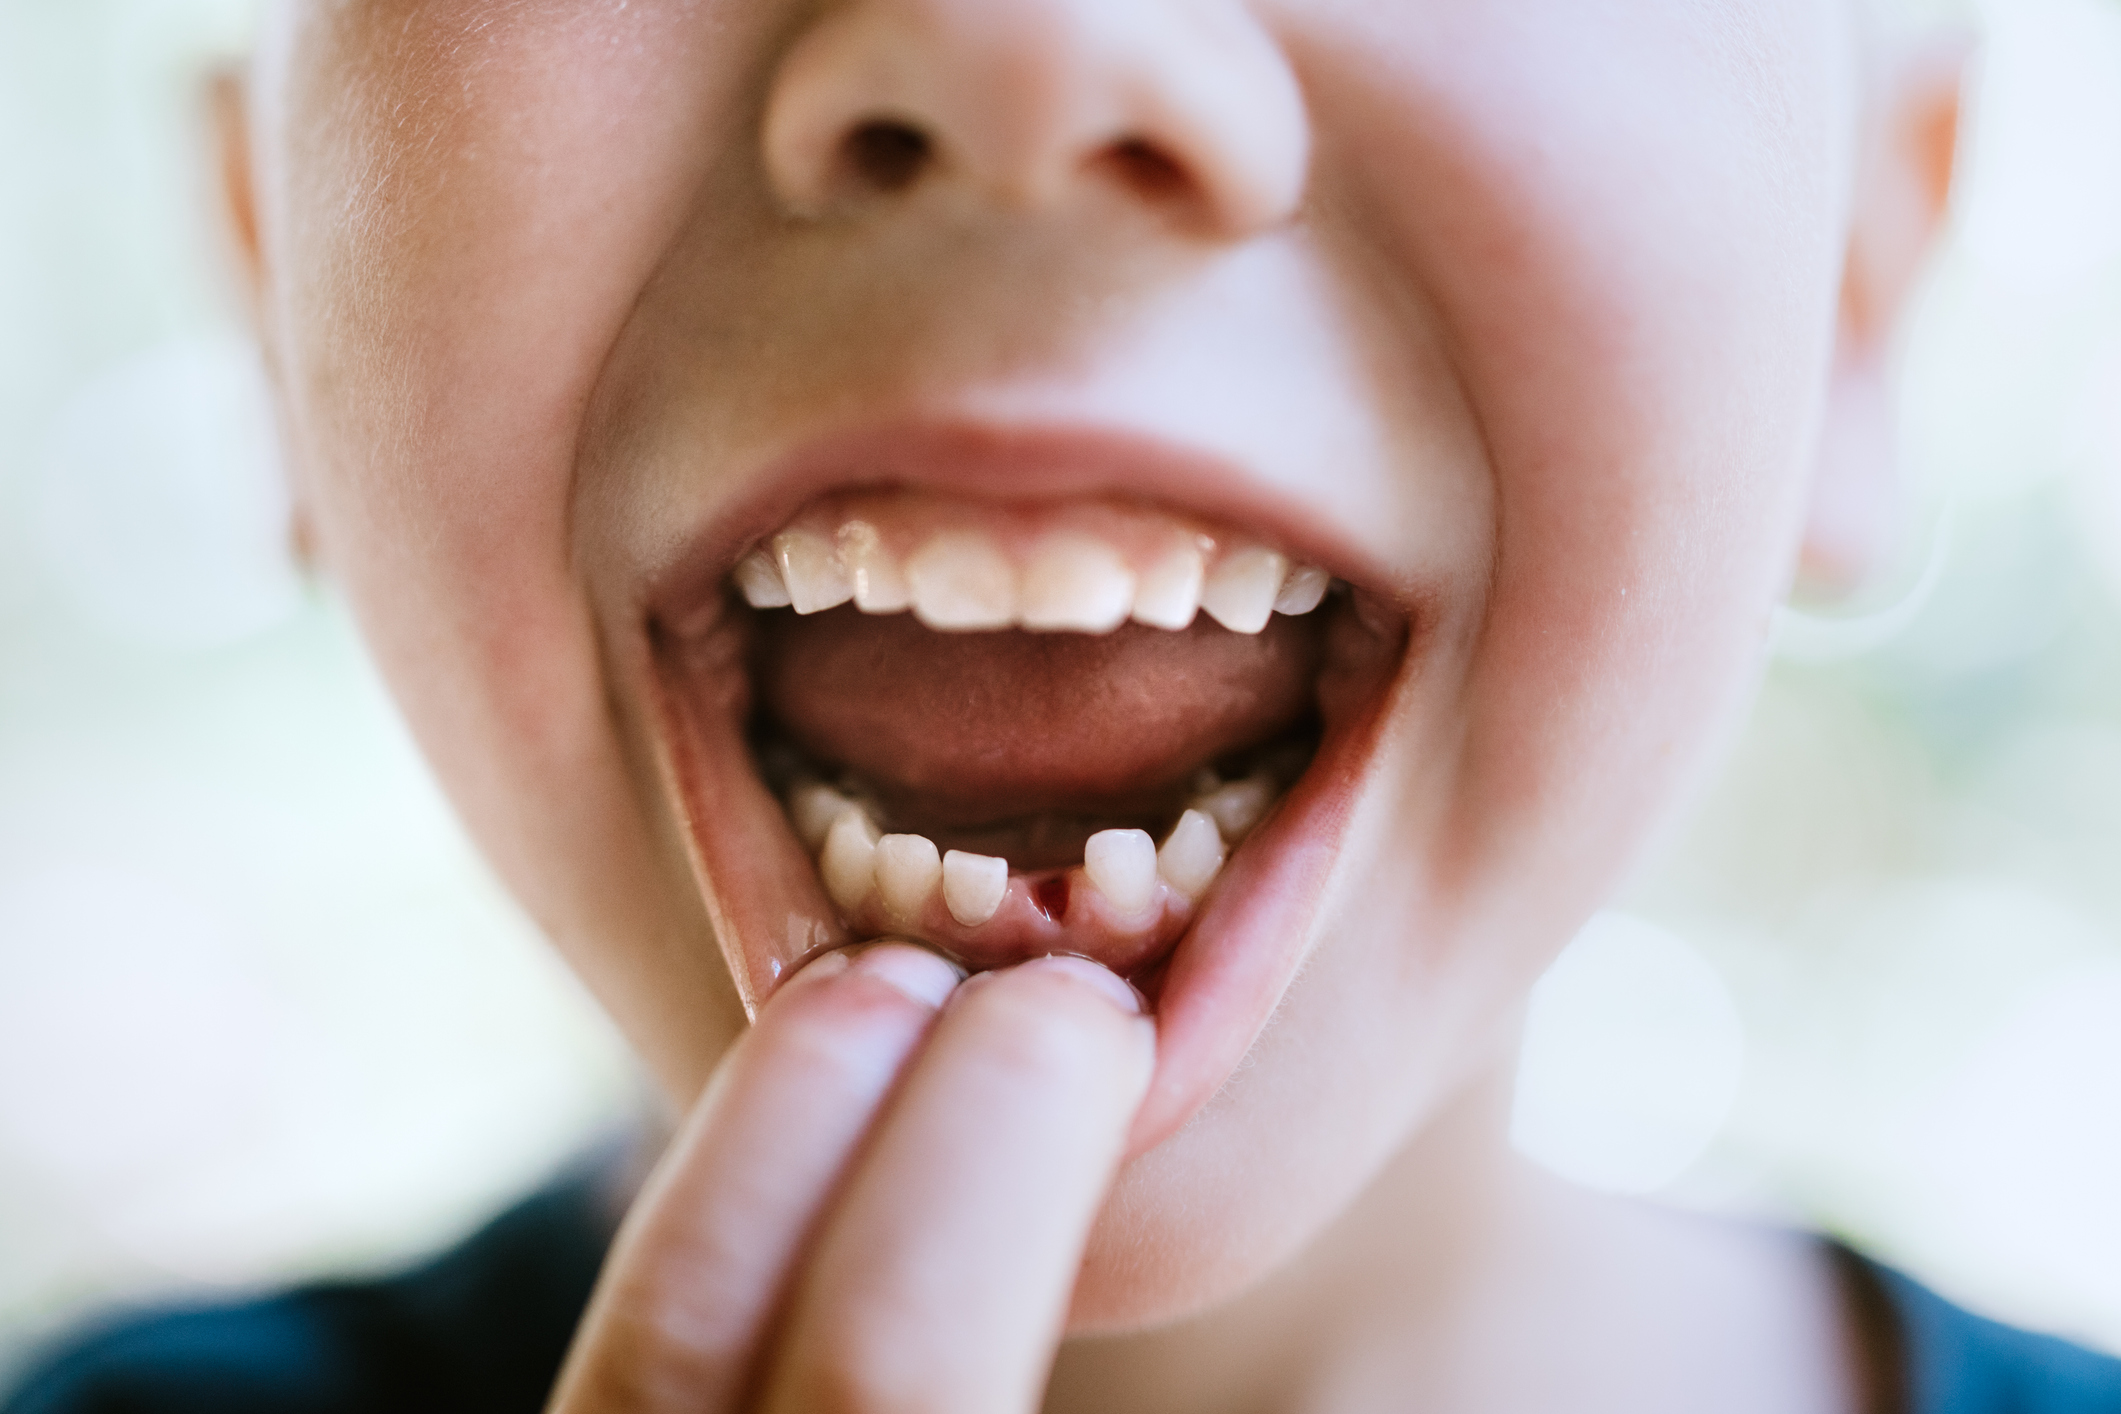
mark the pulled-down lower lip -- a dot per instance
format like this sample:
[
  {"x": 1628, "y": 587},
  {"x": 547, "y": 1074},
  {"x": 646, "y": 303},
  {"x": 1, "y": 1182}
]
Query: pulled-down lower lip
[{"x": 1214, "y": 971}]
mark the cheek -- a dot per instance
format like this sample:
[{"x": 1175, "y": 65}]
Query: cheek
[
  {"x": 457, "y": 216},
  {"x": 1643, "y": 340},
  {"x": 1641, "y": 311}
]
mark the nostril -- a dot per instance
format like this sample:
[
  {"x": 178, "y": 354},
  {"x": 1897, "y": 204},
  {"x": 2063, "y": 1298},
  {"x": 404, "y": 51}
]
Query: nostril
[
  {"x": 886, "y": 156},
  {"x": 1145, "y": 169},
  {"x": 1025, "y": 106}
]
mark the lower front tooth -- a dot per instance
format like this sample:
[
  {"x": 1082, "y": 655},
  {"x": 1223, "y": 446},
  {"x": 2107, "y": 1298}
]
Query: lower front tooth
[
  {"x": 907, "y": 870},
  {"x": 849, "y": 861},
  {"x": 816, "y": 579},
  {"x": 1192, "y": 856},
  {"x": 1239, "y": 593},
  {"x": 962, "y": 580},
  {"x": 973, "y": 885},
  {"x": 1122, "y": 866},
  {"x": 813, "y": 807}
]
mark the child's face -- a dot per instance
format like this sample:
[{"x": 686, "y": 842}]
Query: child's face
[{"x": 1516, "y": 315}]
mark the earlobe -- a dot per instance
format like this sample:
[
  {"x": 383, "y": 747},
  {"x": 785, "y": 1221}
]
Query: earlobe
[
  {"x": 228, "y": 103},
  {"x": 1902, "y": 197},
  {"x": 229, "y": 110}
]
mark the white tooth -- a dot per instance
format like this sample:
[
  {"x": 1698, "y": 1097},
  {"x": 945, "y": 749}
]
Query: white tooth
[
  {"x": 1239, "y": 592},
  {"x": 879, "y": 584},
  {"x": 973, "y": 885},
  {"x": 1168, "y": 594},
  {"x": 816, "y": 578},
  {"x": 907, "y": 871},
  {"x": 1238, "y": 806},
  {"x": 961, "y": 580},
  {"x": 813, "y": 807},
  {"x": 1077, "y": 582},
  {"x": 1122, "y": 866},
  {"x": 849, "y": 861},
  {"x": 759, "y": 580},
  {"x": 1303, "y": 591},
  {"x": 1192, "y": 856}
]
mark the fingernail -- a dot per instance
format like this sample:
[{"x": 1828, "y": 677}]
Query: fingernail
[
  {"x": 927, "y": 977},
  {"x": 1104, "y": 980}
]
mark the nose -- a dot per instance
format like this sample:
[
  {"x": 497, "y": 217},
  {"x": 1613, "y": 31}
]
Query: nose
[{"x": 1188, "y": 106}]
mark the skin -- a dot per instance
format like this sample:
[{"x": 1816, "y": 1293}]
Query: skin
[{"x": 544, "y": 284}]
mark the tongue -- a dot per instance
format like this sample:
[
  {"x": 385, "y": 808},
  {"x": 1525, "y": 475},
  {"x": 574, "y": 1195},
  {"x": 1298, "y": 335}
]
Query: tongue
[{"x": 963, "y": 729}]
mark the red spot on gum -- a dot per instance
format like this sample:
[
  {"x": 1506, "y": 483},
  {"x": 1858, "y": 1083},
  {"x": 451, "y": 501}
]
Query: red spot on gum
[{"x": 1051, "y": 895}]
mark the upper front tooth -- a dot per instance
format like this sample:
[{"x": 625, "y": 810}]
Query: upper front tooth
[
  {"x": 759, "y": 580},
  {"x": 1168, "y": 593},
  {"x": 816, "y": 578},
  {"x": 1192, "y": 855},
  {"x": 961, "y": 580},
  {"x": 1239, "y": 592},
  {"x": 849, "y": 860},
  {"x": 1238, "y": 806},
  {"x": 1122, "y": 866},
  {"x": 973, "y": 885},
  {"x": 907, "y": 871},
  {"x": 1303, "y": 590},
  {"x": 879, "y": 584},
  {"x": 1077, "y": 582},
  {"x": 813, "y": 807}
]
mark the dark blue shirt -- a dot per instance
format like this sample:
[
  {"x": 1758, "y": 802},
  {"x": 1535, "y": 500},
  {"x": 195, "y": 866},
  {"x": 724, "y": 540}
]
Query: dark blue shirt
[
  {"x": 479, "y": 1331},
  {"x": 1953, "y": 1362},
  {"x": 482, "y": 1330}
]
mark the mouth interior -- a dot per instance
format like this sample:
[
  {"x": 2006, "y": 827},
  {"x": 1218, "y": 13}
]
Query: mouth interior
[
  {"x": 1007, "y": 732},
  {"x": 1023, "y": 745}
]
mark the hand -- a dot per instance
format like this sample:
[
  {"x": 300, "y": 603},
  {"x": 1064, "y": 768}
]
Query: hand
[{"x": 879, "y": 1202}]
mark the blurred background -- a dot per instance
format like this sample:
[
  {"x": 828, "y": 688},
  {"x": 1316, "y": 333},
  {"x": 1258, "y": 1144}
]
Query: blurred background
[{"x": 264, "y": 1015}]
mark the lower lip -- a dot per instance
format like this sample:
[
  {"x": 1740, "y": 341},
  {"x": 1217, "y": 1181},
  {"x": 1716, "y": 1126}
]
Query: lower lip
[
  {"x": 1228, "y": 972},
  {"x": 1212, "y": 992}
]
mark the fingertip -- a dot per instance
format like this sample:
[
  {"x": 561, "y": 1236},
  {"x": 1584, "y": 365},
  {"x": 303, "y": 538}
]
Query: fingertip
[
  {"x": 1073, "y": 1016},
  {"x": 818, "y": 969},
  {"x": 925, "y": 976},
  {"x": 1102, "y": 980}
]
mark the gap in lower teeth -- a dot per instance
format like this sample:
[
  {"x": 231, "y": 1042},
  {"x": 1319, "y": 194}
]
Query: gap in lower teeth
[
  {"x": 1051, "y": 894},
  {"x": 1128, "y": 892}
]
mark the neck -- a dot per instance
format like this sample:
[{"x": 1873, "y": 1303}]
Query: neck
[
  {"x": 1465, "y": 1279},
  {"x": 1428, "y": 1231}
]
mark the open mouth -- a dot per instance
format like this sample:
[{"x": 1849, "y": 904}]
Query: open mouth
[{"x": 1012, "y": 725}]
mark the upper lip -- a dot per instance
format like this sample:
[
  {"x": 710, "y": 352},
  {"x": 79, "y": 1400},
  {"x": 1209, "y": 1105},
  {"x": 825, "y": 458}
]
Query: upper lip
[{"x": 1046, "y": 461}]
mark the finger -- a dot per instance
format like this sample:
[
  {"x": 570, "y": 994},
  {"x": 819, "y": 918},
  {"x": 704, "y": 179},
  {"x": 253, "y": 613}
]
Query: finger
[
  {"x": 702, "y": 1259},
  {"x": 941, "y": 1280}
]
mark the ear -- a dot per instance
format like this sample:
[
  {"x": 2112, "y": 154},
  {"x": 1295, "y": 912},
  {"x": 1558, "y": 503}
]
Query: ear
[
  {"x": 228, "y": 109},
  {"x": 228, "y": 105},
  {"x": 1903, "y": 189}
]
